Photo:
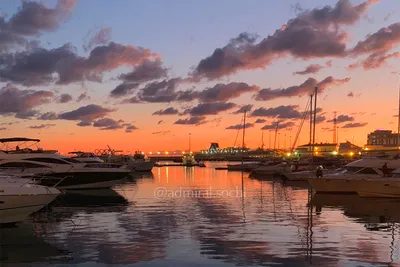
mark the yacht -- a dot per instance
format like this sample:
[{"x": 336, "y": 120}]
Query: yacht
[
  {"x": 85, "y": 157},
  {"x": 20, "y": 197},
  {"x": 137, "y": 162},
  {"x": 351, "y": 176},
  {"x": 273, "y": 168},
  {"x": 386, "y": 187},
  {"x": 77, "y": 175},
  {"x": 244, "y": 166},
  {"x": 308, "y": 174}
]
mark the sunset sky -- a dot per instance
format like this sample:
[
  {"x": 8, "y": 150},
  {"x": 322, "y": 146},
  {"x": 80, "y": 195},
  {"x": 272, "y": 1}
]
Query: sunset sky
[{"x": 142, "y": 75}]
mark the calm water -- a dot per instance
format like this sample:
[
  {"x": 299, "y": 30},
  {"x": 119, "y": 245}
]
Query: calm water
[{"x": 202, "y": 217}]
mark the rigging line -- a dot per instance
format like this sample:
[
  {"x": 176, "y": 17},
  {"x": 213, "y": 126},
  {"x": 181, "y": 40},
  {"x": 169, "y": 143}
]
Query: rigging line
[
  {"x": 237, "y": 135},
  {"x": 305, "y": 113}
]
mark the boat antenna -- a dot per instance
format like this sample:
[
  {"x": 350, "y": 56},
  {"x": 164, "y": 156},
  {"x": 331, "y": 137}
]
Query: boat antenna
[
  {"x": 315, "y": 117},
  {"x": 311, "y": 120}
]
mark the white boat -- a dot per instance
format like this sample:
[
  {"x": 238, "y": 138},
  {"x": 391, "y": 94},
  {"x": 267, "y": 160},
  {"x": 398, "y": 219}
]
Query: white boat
[
  {"x": 354, "y": 174},
  {"x": 20, "y": 197},
  {"x": 77, "y": 175},
  {"x": 137, "y": 163},
  {"x": 273, "y": 168},
  {"x": 244, "y": 166},
  {"x": 305, "y": 175},
  {"x": 86, "y": 157},
  {"x": 387, "y": 187}
]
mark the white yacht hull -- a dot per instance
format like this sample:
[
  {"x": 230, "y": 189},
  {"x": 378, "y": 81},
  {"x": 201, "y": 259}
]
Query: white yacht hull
[
  {"x": 386, "y": 188},
  {"x": 17, "y": 203},
  {"x": 338, "y": 183},
  {"x": 95, "y": 185},
  {"x": 304, "y": 175}
]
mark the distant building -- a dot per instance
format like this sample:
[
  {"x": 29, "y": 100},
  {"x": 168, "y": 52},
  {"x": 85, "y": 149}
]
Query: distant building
[
  {"x": 382, "y": 140},
  {"x": 349, "y": 149},
  {"x": 214, "y": 147}
]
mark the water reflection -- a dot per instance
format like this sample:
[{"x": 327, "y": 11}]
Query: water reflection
[{"x": 270, "y": 223}]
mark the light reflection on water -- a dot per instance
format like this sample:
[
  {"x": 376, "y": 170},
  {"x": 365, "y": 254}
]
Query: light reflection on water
[{"x": 271, "y": 223}]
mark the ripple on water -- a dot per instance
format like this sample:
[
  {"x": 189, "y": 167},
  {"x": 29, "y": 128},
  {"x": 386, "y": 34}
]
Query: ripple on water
[{"x": 272, "y": 223}]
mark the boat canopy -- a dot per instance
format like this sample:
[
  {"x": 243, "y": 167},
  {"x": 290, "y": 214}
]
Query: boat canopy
[{"x": 18, "y": 139}]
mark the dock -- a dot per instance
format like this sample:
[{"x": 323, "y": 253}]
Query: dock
[{"x": 176, "y": 165}]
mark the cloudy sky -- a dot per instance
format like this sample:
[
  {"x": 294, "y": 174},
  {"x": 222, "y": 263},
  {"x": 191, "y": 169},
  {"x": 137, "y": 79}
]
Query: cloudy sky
[{"x": 144, "y": 74}]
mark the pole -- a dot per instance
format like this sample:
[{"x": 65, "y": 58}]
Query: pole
[
  {"x": 190, "y": 143},
  {"x": 284, "y": 146},
  {"x": 398, "y": 123},
  {"x": 290, "y": 141},
  {"x": 244, "y": 132},
  {"x": 269, "y": 142},
  {"x": 311, "y": 120},
  {"x": 315, "y": 115}
]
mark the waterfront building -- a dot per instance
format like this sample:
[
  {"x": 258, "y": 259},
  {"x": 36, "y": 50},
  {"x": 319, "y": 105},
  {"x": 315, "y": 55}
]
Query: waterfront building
[
  {"x": 382, "y": 140},
  {"x": 320, "y": 149}
]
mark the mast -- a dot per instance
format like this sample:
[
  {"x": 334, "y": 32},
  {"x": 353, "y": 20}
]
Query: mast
[
  {"x": 398, "y": 123},
  {"x": 311, "y": 120},
  {"x": 315, "y": 116},
  {"x": 190, "y": 143},
  {"x": 244, "y": 132}
]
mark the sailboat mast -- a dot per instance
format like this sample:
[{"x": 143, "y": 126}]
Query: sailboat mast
[
  {"x": 244, "y": 128},
  {"x": 244, "y": 132},
  {"x": 398, "y": 121},
  {"x": 190, "y": 142},
  {"x": 311, "y": 120},
  {"x": 315, "y": 114}
]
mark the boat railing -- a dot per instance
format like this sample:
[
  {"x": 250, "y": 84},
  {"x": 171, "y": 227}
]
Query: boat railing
[{"x": 33, "y": 179}]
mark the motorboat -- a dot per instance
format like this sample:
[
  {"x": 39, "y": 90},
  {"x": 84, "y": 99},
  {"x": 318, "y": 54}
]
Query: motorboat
[
  {"x": 308, "y": 174},
  {"x": 138, "y": 162},
  {"x": 351, "y": 176},
  {"x": 188, "y": 160},
  {"x": 385, "y": 187},
  {"x": 77, "y": 175},
  {"x": 20, "y": 197},
  {"x": 273, "y": 168},
  {"x": 85, "y": 157}
]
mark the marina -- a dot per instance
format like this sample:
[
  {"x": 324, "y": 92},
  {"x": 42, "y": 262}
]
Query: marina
[{"x": 261, "y": 222}]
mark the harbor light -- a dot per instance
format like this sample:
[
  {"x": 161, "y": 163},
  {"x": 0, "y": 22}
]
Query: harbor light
[
  {"x": 335, "y": 153},
  {"x": 289, "y": 154},
  {"x": 151, "y": 153},
  {"x": 158, "y": 153},
  {"x": 166, "y": 152},
  {"x": 351, "y": 153}
]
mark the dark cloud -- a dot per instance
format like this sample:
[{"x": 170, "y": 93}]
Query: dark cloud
[
  {"x": 374, "y": 61},
  {"x": 48, "y": 116},
  {"x": 42, "y": 126},
  {"x": 350, "y": 94},
  {"x": 132, "y": 100},
  {"x": 16, "y": 101},
  {"x": 260, "y": 121},
  {"x": 191, "y": 121},
  {"x": 167, "y": 111},
  {"x": 225, "y": 92},
  {"x": 312, "y": 69},
  {"x": 305, "y": 88},
  {"x": 355, "y": 125},
  {"x": 3, "y": 128},
  {"x": 381, "y": 41},
  {"x": 84, "y": 123},
  {"x": 28, "y": 114},
  {"x": 36, "y": 67},
  {"x": 86, "y": 113},
  {"x": 209, "y": 108},
  {"x": 329, "y": 63},
  {"x": 82, "y": 97},
  {"x": 161, "y": 132},
  {"x": 159, "y": 92},
  {"x": 148, "y": 70},
  {"x": 32, "y": 18},
  {"x": 239, "y": 126},
  {"x": 101, "y": 37},
  {"x": 108, "y": 124},
  {"x": 244, "y": 108},
  {"x": 313, "y": 33},
  {"x": 280, "y": 125},
  {"x": 123, "y": 89},
  {"x": 130, "y": 128},
  {"x": 64, "y": 98},
  {"x": 160, "y": 122},
  {"x": 282, "y": 112},
  {"x": 343, "y": 118}
]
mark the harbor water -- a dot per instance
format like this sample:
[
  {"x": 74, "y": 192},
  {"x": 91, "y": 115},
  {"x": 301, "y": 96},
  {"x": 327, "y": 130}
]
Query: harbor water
[{"x": 178, "y": 216}]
